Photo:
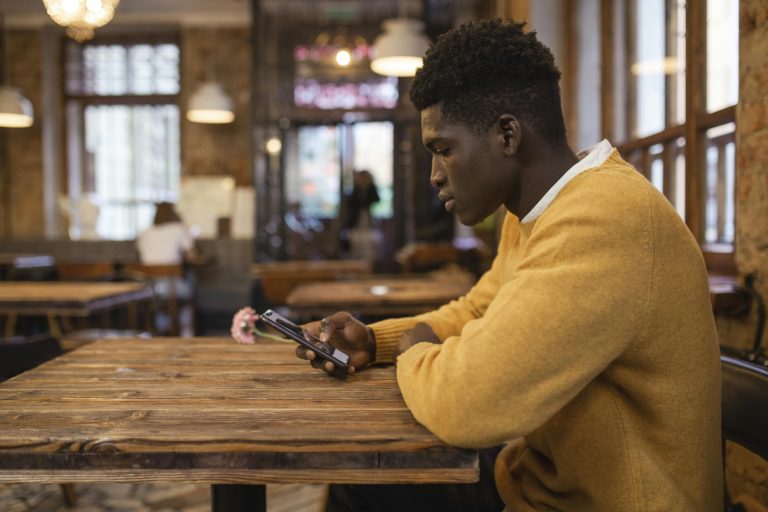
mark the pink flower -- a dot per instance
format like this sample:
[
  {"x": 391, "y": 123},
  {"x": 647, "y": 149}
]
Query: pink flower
[{"x": 244, "y": 325}]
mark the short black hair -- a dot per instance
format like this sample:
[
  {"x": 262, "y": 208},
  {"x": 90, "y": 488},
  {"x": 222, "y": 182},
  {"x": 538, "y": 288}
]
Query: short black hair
[{"x": 486, "y": 68}]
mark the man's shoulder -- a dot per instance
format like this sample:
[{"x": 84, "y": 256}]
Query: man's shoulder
[
  {"x": 613, "y": 188},
  {"x": 603, "y": 189}
]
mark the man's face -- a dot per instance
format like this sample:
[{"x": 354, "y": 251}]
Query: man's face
[{"x": 467, "y": 167}]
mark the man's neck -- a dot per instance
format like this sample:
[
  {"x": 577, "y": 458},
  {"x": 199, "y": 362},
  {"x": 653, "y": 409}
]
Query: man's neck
[{"x": 540, "y": 174}]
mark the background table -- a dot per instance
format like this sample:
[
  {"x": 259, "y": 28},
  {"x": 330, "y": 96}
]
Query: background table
[
  {"x": 54, "y": 298},
  {"x": 278, "y": 278},
  {"x": 212, "y": 411},
  {"x": 377, "y": 296}
]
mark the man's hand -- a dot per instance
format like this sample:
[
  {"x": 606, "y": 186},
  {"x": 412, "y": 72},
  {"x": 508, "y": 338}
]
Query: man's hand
[
  {"x": 420, "y": 332},
  {"x": 346, "y": 333}
]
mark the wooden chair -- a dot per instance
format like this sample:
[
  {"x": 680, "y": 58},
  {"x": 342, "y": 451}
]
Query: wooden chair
[
  {"x": 173, "y": 290},
  {"x": 744, "y": 409},
  {"x": 424, "y": 257},
  {"x": 79, "y": 271},
  {"x": 278, "y": 279}
]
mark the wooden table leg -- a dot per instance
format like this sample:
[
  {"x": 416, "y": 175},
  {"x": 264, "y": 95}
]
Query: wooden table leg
[
  {"x": 53, "y": 326},
  {"x": 238, "y": 498},
  {"x": 10, "y": 325}
]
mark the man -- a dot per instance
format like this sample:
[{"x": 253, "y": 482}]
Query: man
[{"x": 589, "y": 347}]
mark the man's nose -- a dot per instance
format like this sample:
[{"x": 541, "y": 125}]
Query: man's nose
[{"x": 437, "y": 177}]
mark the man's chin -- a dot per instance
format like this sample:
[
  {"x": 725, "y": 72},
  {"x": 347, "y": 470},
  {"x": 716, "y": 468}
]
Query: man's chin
[
  {"x": 468, "y": 220},
  {"x": 472, "y": 219}
]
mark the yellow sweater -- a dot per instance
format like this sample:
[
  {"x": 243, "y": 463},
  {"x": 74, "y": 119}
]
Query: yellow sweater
[{"x": 590, "y": 348}]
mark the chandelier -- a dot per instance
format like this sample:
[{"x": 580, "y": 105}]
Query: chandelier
[{"x": 81, "y": 16}]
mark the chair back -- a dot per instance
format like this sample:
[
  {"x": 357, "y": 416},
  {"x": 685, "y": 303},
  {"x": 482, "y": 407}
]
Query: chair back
[
  {"x": 278, "y": 279},
  {"x": 171, "y": 289},
  {"x": 80, "y": 271},
  {"x": 19, "y": 354},
  {"x": 425, "y": 257},
  {"x": 745, "y": 404}
]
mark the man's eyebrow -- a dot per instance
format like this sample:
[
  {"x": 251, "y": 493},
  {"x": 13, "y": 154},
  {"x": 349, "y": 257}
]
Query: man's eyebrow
[{"x": 429, "y": 143}]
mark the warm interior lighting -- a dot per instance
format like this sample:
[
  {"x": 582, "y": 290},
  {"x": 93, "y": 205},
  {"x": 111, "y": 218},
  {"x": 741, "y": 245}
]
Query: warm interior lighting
[
  {"x": 399, "y": 51},
  {"x": 274, "y": 146},
  {"x": 665, "y": 66},
  {"x": 210, "y": 104},
  {"x": 343, "y": 57},
  {"x": 81, "y": 16},
  {"x": 15, "y": 110}
]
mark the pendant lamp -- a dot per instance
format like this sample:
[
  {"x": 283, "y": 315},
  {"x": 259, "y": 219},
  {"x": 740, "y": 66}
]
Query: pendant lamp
[
  {"x": 400, "y": 50},
  {"x": 210, "y": 104},
  {"x": 15, "y": 110}
]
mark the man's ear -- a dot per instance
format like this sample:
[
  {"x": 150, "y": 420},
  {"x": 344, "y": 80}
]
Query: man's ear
[{"x": 510, "y": 133}]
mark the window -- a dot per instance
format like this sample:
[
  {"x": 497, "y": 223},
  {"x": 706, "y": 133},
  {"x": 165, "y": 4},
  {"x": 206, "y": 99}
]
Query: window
[
  {"x": 123, "y": 143},
  {"x": 669, "y": 76},
  {"x": 327, "y": 155}
]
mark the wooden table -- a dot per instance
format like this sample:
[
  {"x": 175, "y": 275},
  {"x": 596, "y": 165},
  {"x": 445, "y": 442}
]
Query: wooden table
[
  {"x": 209, "y": 410},
  {"x": 377, "y": 296},
  {"x": 278, "y": 278},
  {"x": 56, "y": 298}
]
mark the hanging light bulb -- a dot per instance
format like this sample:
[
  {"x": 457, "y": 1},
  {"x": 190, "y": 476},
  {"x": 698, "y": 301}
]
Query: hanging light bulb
[
  {"x": 274, "y": 146},
  {"x": 400, "y": 50},
  {"x": 15, "y": 110},
  {"x": 343, "y": 57},
  {"x": 210, "y": 104},
  {"x": 81, "y": 16}
]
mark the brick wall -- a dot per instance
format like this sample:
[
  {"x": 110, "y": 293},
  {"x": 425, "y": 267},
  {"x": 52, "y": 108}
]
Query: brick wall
[
  {"x": 22, "y": 206},
  {"x": 218, "y": 149},
  {"x": 206, "y": 149},
  {"x": 747, "y": 473}
]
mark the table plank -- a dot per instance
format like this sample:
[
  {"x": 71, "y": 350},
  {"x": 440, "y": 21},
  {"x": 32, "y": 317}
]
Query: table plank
[
  {"x": 210, "y": 410},
  {"x": 67, "y": 298},
  {"x": 377, "y": 295}
]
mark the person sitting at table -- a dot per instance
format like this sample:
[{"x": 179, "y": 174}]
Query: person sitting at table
[
  {"x": 169, "y": 242},
  {"x": 358, "y": 236},
  {"x": 589, "y": 347}
]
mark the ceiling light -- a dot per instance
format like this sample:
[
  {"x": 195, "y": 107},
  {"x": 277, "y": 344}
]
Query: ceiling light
[
  {"x": 15, "y": 110},
  {"x": 661, "y": 66},
  {"x": 343, "y": 57},
  {"x": 210, "y": 104},
  {"x": 81, "y": 16},
  {"x": 400, "y": 50},
  {"x": 274, "y": 146}
]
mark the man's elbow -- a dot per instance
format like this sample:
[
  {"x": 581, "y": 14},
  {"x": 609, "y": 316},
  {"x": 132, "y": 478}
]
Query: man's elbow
[{"x": 467, "y": 429}]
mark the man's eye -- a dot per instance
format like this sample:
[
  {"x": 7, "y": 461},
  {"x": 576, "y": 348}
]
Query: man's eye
[{"x": 443, "y": 151}]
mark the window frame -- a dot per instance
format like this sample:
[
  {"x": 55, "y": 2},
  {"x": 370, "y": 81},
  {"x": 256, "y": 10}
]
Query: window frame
[
  {"x": 718, "y": 256},
  {"x": 82, "y": 101}
]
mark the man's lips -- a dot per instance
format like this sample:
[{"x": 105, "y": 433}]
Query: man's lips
[{"x": 448, "y": 200}]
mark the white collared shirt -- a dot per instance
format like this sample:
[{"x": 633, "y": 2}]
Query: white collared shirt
[{"x": 589, "y": 158}]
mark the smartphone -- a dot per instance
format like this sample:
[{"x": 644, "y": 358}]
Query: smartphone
[{"x": 296, "y": 333}]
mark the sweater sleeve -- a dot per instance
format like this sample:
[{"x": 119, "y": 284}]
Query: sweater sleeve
[
  {"x": 448, "y": 320},
  {"x": 572, "y": 305}
]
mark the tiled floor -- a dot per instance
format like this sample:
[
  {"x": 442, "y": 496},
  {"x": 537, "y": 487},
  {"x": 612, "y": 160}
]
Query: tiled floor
[{"x": 164, "y": 497}]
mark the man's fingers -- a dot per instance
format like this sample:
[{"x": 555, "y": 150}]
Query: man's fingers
[{"x": 303, "y": 353}]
